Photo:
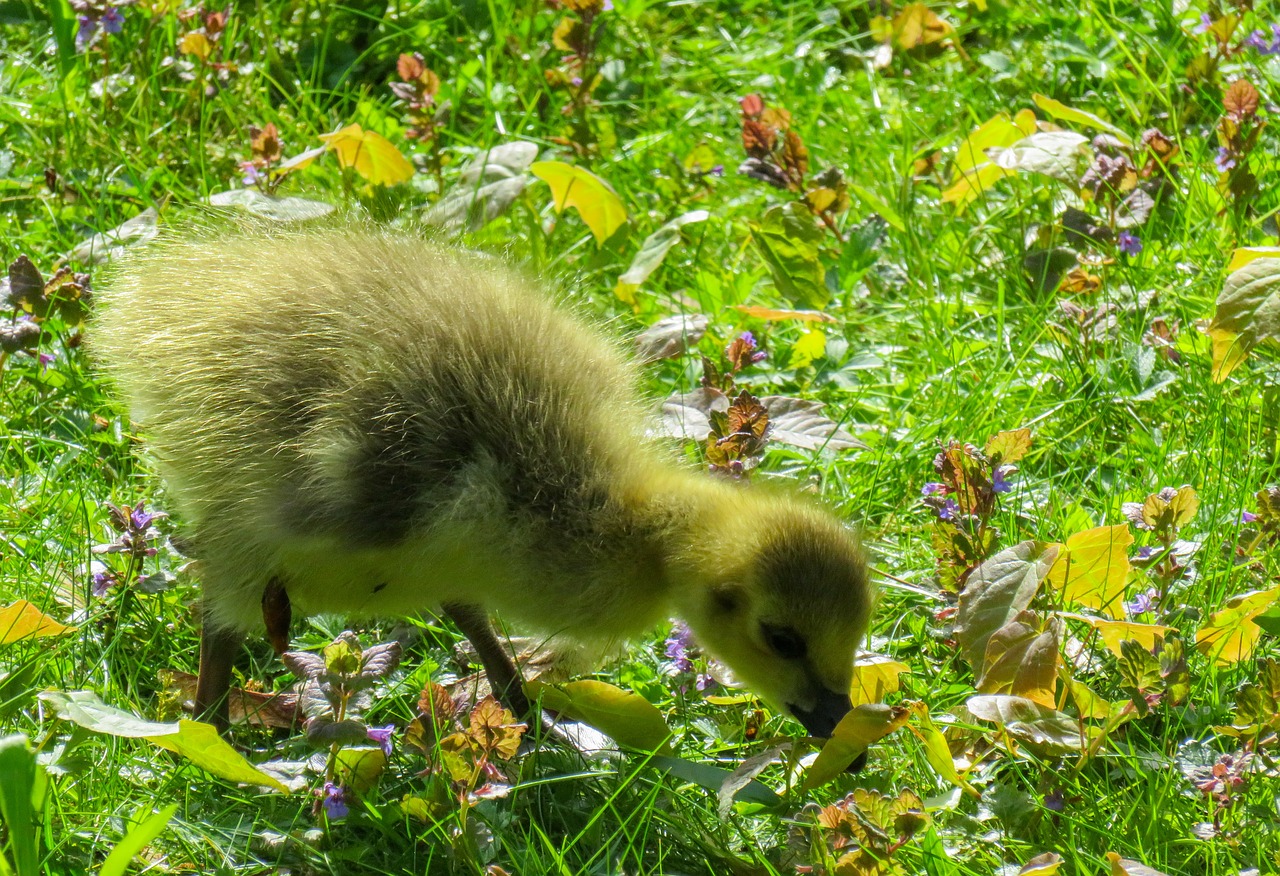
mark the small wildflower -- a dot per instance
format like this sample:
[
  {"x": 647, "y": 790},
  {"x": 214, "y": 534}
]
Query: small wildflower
[
  {"x": 1145, "y": 553},
  {"x": 1129, "y": 243},
  {"x": 1000, "y": 479},
  {"x": 1053, "y": 801},
  {"x": 949, "y": 510},
  {"x": 1206, "y": 22},
  {"x": 1257, "y": 40},
  {"x": 1143, "y": 603},
  {"x": 382, "y": 736},
  {"x": 717, "y": 170},
  {"x": 112, "y": 21},
  {"x": 1247, "y": 517},
  {"x": 677, "y": 648},
  {"x": 934, "y": 489},
  {"x": 252, "y": 176},
  {"x": 334, "y": 802},
  {"x": 84, "y": 34},
  {"x": 704, "y": 681},
  {"x": 1225, "y": 160},
  {"x": 102, "y": 582}
]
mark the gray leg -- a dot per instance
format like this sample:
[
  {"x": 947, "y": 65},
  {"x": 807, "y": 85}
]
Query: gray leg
[
  {"x": 217, "y": 652},
  {"x": 504, "y": 678}
]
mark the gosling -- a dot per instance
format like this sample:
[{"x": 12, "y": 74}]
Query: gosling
[{"x": 365, "y": 423}]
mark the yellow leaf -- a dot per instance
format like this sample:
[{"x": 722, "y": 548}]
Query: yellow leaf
[
  {"x": 372, "y": 155},
  {"x": 1245, "y": 254},
  {"x": 936, "y": 750},
  {"x": 1059, "y": 110},
  {"x": 1093, "y": 568},
  {"x": 360, "y": 768},
  {"x": 918, "y": 25},
  {"x": 22, "y": 620},
  {"x": 999, "y": 130},
  {"x": 196, "y": 43},
  {"x": 627, "y": 717},
  {"x": 1231, "y": 635},
  {"x": 771, "y": 314},
  {"x": 1125, "y": 867},
  {"x": 972, "y": 184},
  {"x": 875, "y": 677},
  {"x": 856, "y": 730},
  {"x": 1229, "y": 350},
  {"x": 811, "y": 345},
  {"x": 1113, "y": 632},
  {"x": 593, "y": 198},
  {"x": 201, "y": 744},
  {"x": 1042, "y": 865}
]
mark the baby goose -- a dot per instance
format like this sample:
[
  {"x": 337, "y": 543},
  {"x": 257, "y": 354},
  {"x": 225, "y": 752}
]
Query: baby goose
[{"x": 377, "y": 425}]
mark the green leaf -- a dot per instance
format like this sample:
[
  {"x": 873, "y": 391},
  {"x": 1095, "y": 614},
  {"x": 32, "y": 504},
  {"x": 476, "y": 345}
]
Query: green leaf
[
  {"x": 1043, "y": 730},
  {"x": 1058, "y": 110},
  {"x": 21, "y": 793},
  {"x": 998, "y": 591},
  {"x": 862, "y": 726},
  {"x": 1229, "y": 636},
  {"x": 788, "y": 240},
  {"x": 1062, "y": 155},
  {"x": 714, "y": 778},
  {"x": 1022, "y": 660},
  {"x": 878, "y": 205},
  {"x": 593, "y": 198},
  {"x": 135, "y": 840},
  {"x": 1248, "y": 308},
  {"x": 277, "y": 208},
  {"x": 625, "y": 716},
  {"x": 487, "y": 186},
  {"x": 656, "y": 246},
  {"x": 85, "y": 708},
  {"x": 201, "y": 744},
  {"x": 936, "y": 751}
]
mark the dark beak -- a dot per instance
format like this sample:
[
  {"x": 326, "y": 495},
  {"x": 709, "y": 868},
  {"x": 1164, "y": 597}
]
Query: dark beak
[{"x": 822, "y": 719}]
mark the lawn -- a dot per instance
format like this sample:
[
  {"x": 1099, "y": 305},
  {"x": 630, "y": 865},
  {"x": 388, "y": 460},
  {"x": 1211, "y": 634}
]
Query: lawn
[{"x": 1000, "y": 282}]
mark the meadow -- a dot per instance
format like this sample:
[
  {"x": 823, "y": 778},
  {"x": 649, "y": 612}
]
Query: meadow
[{"x": 1000, "y": 282}]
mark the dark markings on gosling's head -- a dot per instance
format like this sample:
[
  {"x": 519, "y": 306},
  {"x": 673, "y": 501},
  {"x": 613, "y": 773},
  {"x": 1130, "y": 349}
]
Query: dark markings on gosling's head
[{"x": 821, "y": 568}]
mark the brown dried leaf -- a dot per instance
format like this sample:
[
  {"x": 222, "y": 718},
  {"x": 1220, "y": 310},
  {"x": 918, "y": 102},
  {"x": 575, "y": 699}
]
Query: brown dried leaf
[{"x": 1240, "y": 100}]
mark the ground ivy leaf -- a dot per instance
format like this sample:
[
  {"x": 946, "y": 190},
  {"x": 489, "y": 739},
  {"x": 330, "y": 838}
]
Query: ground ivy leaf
[
  {"x": 278, "y": 208},
  {"x": 1042, "y": 729},
  {"x": 856, "y": 730},
  {"x": 1093, "y": 568},
  {"x": 1046, "y": 864},
  {"x": 1022, "y": 660},
  {"x": 788, "y": 240},
  {"x": 810, "y": 346},
  {"x": 875, "y": 676},
  {"x": 1061, "y": 155},
  {"x": 800, "y": 423},
  {"x": 656, "y": 246},
  {"x": 1248, "y": 307},
  {"x": 625, "y": 716},
  {"x": 1058, "y": 110},
  {"x": 1006, "y": 447},
  {"x": 713, "y": 778},
  {"x": 686, "y": 415},
  {"x": 370, "y": 154},
  {"x": 1113, "y": 632},
  {"x": 360, "y": 768},
  {"x": 997, "y": 591},
  {"x": 594, "y": 199},
  {"x": 1230, "y": 635},
  {"x": 670, "y": 337},
  {"x": 22, "y": 620},
  {"x": 487, "y": 186}
]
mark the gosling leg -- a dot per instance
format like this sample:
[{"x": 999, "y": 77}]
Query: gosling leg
[
  {"x": 217, "y": 652},
  {"x": 504, "y": 678}
]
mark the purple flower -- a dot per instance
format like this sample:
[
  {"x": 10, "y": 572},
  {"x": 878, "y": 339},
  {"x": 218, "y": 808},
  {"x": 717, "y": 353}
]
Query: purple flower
[
  {"x": 1129, "y": 243},
  {"x": 1257, "y": 40},
  {"x": 677, "y": 648},
  {"x": 1225, "y": 160},
  {"x": 1247, "y": 517},
  {"x": 949, "y": 510},
  {"x": 335, "y": 802},
  {"x": 140, "y": 518},
  {"x": 1206, "y": 22},
  {"x": 704, "y": 681},
  {"x": 1143, "y": 603},
  {"x": 382, "y": 736},
  {"x": 102, "y": 582},
  {"x": 934, "y": 489},
  {"x": 1145, "y": 553},
  {"x": 252, "y": 175},
  {"x": 88, "y": 27},
  {"x": 112, "y": 21},
  {"x": 717, "y": 170},
  {"x": 1053, "y": 800},
  {"x": 1000, "y": 479}
]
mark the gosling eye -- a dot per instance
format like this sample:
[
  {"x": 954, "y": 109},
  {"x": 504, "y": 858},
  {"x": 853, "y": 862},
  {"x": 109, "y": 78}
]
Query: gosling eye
[{"x": 783, "y": 641}]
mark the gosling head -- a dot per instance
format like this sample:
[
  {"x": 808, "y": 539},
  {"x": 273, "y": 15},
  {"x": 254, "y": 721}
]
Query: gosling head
[{"x": 784, "y": 602}]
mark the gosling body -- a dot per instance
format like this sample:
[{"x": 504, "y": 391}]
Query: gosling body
[{"x": 385, "y": 426}]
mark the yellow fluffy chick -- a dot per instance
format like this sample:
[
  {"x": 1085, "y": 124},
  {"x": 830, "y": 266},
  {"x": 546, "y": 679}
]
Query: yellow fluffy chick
[{"x": 381, "y": 426}]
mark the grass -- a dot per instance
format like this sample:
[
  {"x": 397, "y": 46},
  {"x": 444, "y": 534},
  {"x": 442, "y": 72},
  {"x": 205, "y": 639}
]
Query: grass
[{"x": 938, "y": 335}]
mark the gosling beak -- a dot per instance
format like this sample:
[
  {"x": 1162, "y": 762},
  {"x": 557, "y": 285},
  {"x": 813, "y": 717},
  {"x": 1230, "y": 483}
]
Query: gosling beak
[{"x": 822, "y": 719}]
